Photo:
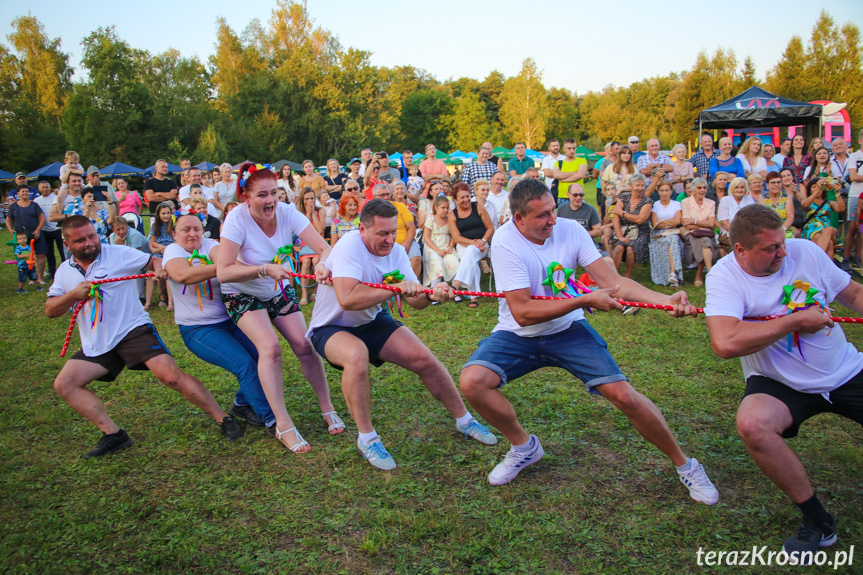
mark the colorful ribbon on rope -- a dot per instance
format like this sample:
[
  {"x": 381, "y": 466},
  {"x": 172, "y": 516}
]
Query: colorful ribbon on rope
[
  {"x": 97, "y": 305},
  {"x": 284, "y": 255},
  {"x": 796, "y": 297},
  {"x": 206, "y": 287},
  {"x": 395, "y": 277},
  {"x": 561, "y": 281}
]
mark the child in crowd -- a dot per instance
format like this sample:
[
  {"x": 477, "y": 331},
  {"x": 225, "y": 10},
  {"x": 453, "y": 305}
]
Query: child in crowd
[
  {"x": 25, "y": 273},
  {"x": 440, "y": 259},
  {"x": 414, "y": 182},
  {"x": 70, "y": 165},
  {"x": 161, "y": 236},
  {"x": 212, "y": 226}
]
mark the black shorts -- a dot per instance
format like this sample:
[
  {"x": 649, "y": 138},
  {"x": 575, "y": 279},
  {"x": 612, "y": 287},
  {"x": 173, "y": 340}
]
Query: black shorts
[
  {"x": 374, "y": 335},
  {"x": 140, "y": 345},
  {"x": 846, "y": 400}
]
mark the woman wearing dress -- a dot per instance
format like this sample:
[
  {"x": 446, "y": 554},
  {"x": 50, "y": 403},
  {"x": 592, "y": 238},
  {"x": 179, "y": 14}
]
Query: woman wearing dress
[
  {"x": 777, "y": 201},
  {"x": 682, "y": 169},
  {"x": 821, "y": 202},
  {"x": 699, "y": 221},
  {"x": 666, "y": 267},
  {"x": 798, "y": 160},
  {"x": 631, "y": 221},
  {"x": 334, "y": 180},
  {"x": 311, "y": 178},
  {"x": 725, "y": 162},
  {"x": 348, "y": 218},
  {"x": 256, "y": 235},
  {"x": 820, "y": 166}
]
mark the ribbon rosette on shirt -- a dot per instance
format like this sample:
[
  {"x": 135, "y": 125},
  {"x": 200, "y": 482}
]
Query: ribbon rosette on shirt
[
  {"x": 561, "y": 281},
  {"x": 796, "y": 297},
  {"x": 197, "y": 259},
  {"x": 394, "y": 277},
  {"x": 283, "y": 256},
  {"x": 97, "y": 305}
]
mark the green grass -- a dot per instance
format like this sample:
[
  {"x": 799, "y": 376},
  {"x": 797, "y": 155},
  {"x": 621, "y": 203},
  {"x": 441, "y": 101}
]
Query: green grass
[{"x": 183, "y": 499}]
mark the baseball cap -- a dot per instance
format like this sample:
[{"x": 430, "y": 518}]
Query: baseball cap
[
  {"x": 355, "y": 160},
  {"x": 92, "y": 170},
  {"x": 633, "y": 139},
  {"x": 20, "y": 175}
]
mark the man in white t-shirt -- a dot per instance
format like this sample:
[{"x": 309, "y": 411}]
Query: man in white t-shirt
[
  {"x": 123, "y": 337},
  {"x": 550, "y": 161},
  {"x": 350, "y": 330},
  {"x": 536, "y": 253},
  {"x": 797, "y": 365}
]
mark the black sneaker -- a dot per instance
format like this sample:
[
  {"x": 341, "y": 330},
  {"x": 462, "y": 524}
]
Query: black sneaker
[
  {"x": 246, "y": 412},
  {"x": 231, "y": 428},
  {"x": 811, "y": 535},
  {"x": 110, "y": 444}
]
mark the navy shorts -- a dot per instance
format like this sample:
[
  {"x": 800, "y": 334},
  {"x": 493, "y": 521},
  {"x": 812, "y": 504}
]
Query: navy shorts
[
  {"x": 374, "y": 335},
  {"x": 846, "y": 400},
  {"x": 140, "y": 345},
  {"x": 578, "y": 349}
]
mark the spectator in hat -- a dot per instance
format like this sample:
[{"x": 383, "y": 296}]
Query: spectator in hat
[
  {"x": 21, "y": 180},
  {"x": 354, "y": 170}
]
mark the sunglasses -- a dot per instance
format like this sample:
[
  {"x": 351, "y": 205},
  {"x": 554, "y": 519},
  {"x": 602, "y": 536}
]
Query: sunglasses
[
  {"x": 352, "y": 189},
  {"x": 577, "y": 195}
]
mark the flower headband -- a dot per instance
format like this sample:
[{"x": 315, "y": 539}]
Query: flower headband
[
  {"x": 189, "y": 211},
  {"x": 252, "y": 169}
]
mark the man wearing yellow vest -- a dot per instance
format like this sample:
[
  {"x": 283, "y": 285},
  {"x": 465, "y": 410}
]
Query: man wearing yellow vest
[{"x": 568, "y": 170}]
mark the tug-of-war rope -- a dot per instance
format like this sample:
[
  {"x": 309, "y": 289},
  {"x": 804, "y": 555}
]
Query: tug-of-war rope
[{"x": 573, "y": 289}]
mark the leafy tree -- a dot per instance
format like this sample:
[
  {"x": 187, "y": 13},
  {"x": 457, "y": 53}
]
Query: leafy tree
[
  {"x": 467, "y": 124},
  {"x": 423, "y": 118},
  {"x": 211, "y": 147},
  {"x": 523, "y": 105}
]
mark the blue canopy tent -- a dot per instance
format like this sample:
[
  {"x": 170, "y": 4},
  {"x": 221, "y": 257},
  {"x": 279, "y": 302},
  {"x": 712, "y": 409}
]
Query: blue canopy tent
[
  {"x": 206, "y": 166},
  {"x": 534, "y": 155},
  {"x": 459, "y": 154},
  {"x": 120, "y": 169},
  {"x": 49, "y": 171},
  {"x": 6, "y": 176},
  {"x": 472, "y": 155}
]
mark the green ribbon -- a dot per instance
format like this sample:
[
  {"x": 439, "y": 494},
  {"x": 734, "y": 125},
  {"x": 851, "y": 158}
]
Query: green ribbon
[
  {"x": 205, "y": 260},
  {"x": 394, "y": 277}
]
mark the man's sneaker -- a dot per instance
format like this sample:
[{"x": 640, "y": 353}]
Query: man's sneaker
[
  {"x": 231, "y": 428},
  {"x": 810, "y": 537},
  {"x": 246, "y": 412},
  {"x": 845, "y": 265},
  {"x": 477, "y": 431},
  {"x": 699, "y": 485},
  {"x": 110, "y": 444},
  {"x": 20, "y": 290},
  {"x": 514, "y": 462},
  {"x": 630, "y": 310},
  {"x": 39, "y": 287},
  {"x": 376, "y": 454}
]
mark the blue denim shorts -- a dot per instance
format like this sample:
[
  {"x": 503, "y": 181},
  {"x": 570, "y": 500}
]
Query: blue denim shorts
[{"x": 577, "y": 349}]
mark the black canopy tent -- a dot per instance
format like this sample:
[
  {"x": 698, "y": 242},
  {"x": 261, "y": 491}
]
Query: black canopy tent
[{"x": 758, "y": 108}]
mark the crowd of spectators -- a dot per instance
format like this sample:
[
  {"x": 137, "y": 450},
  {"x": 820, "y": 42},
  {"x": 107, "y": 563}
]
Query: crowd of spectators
[{"x": 670, "y": 212}]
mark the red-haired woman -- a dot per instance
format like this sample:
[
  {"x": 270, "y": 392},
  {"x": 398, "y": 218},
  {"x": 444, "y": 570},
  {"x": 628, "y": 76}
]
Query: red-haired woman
[{"x": 257, "y": 291}]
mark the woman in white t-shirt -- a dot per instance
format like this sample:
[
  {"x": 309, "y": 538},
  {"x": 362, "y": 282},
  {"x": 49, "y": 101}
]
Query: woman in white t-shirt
[
  {"x": 224, "y": 188},
  {"x": 666, "y": 265},
  {"x": 256, "y": 240},
  {"x": 750, "y": 157},
  {"x": 205, "y": 326}
]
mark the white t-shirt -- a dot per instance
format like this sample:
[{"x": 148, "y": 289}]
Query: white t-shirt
[
  {"x": 830, "y": 360},
  {"x": 351, "y": 258},
  {"x": 856, "y": 161},
  {"x": 186, "y": 310},
  {"x": 760, "y": 164},
  {"x": 256, "y": 248},
  {"x": 548, "y": 163},
  {"x": 208, "y": 195},
  {"x": 45, "y": 202},
  {"x": 122, "y": 309},
  {"x": 728, "y": 208},
  {"x": 519, "y": 263},
  {"x": 498, "y": 200},
  {"x": 666, "y": 213},
  {"x": 224, "y": 192}
]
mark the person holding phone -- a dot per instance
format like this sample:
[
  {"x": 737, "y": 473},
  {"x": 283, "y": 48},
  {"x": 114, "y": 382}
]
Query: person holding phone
[{"x": 101, "y": 219}]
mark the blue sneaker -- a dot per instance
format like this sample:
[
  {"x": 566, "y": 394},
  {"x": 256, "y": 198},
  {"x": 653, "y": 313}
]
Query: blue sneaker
[
  {"x": 20, "y": 290},
  {"x": 376, "y": 454},
  {"x": 475, "y": 430},
  {"x": 514, "y": 462}
]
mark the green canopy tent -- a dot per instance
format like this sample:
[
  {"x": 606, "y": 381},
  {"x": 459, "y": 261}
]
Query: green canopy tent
[
  {"x": 503, "y": 153},
  {"x": 453, "y": 161},
  {"x": 588, "y": 154}
]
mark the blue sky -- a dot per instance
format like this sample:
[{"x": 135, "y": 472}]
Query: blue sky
[{"x": 579, "y": 45}]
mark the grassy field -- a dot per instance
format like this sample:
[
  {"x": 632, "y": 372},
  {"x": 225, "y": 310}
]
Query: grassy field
[{"x": 184, "y": 500}]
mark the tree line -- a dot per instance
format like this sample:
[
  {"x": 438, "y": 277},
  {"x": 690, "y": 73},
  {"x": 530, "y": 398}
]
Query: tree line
[{"x": 291, "y": 90}]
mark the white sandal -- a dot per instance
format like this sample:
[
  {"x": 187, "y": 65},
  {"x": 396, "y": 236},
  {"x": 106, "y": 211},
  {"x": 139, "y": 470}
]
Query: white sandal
[
  {"x": 338, "y": 425},
  {"x": 301, "y": 443}
]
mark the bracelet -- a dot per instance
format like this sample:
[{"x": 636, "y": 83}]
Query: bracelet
[
  {"x": 428, "y": 297},
  {"x": 262, "y": 271}
]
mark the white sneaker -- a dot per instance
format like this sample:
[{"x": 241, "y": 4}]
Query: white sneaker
[
  {"x": 514, "y": 462},
  {"x": 376, "y": 454},
  {"x": 630, "y": 310},
  {"x": 700, "y": 487}
]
